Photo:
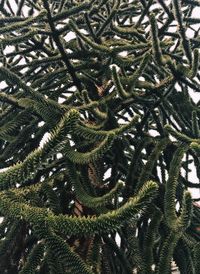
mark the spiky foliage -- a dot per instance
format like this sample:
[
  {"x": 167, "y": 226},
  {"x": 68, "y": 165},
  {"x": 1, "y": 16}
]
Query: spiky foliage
[{"x": 108, "y": 84}]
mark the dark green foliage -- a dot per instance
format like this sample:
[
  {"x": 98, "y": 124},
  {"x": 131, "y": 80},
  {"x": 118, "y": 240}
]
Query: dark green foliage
[
  {"x": 109, "y": 83},
  {"x": 33, "y": 260}
]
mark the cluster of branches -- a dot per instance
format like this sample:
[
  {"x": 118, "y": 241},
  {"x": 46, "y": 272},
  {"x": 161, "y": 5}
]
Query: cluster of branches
[{"x": 109, "y": 82}]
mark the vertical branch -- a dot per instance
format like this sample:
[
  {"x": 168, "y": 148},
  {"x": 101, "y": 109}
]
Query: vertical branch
[
  {"x": 170, "y": 192},
  {"x": 155, "y": 40},
  {"x": 56, "y": 38},
  {"x": 179, "y": 17}
]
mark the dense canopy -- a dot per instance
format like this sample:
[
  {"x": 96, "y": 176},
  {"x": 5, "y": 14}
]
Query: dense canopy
[{"x": 99, "y": 134}]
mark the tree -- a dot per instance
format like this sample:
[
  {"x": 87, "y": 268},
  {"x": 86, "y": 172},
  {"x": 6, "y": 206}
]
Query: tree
[{"x": 109, "y": 84}]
